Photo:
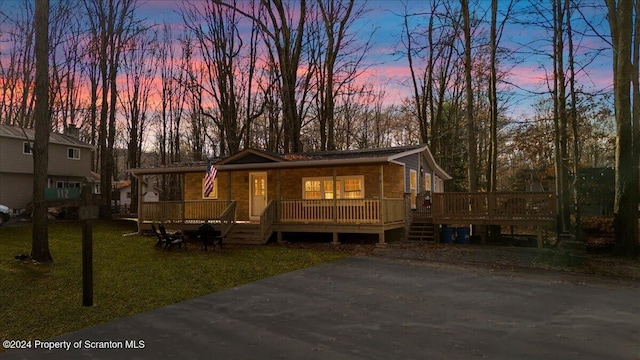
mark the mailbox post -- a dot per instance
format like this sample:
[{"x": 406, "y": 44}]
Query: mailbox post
[{"x": 87, "y": 213}]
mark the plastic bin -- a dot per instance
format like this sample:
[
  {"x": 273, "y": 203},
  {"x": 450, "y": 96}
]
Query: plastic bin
[
  {"x": 462, "y": 235},
  {"x": 448, "y": 235}
]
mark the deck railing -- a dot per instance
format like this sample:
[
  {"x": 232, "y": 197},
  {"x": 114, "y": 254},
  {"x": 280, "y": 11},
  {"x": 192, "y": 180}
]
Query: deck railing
[
  {"x": 228, "y": 218},
  {"x": 267, "y": 218},
  {"x": 494, "y": 208},
  {"x": 342, "y": 211},
  {"x": 182, "y": 211}
]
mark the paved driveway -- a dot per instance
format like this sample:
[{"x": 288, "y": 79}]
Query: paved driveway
[{"x": 377, "y": 308}]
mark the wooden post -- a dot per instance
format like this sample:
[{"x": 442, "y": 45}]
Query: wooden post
[
  {"x": 540, "y": 234},
  {"x": 140, "y": 181},
  {"x": 87, "y": 213},
  {"x": 335, "y": 204},
  {"x": 382, "y": 207}
]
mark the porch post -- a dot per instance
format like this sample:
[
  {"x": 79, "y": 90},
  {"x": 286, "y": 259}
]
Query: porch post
[
  {"x": 278, "y": 202},
  {"x": 140, "y": 200},
  {"x": 381, "y": 240},
  {"x": 540, "y": 234},
  {"x": 335, "y": 204},
  {"x": 335, "y": 207},
  {"x": 382, "y": 207}
]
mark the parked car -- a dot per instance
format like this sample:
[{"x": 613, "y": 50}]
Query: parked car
[{"x": 5, "y": 215}]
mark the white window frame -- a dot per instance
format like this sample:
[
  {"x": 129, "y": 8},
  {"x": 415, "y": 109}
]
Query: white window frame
[
  {"x": 73, "y": 151},
  {"x": 65, "y": 184},
  {"x": 428, "y": 184},
  {"x": 413, "y": 187},
  {"x": 27, "y": 145},
  {"x": 340, "y": 186}
]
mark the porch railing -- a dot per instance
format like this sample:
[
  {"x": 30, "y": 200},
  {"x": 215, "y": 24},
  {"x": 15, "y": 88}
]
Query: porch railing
[
  {"x": 182, "y": 211},
  {"x": 497, "y": 207},
  {"x": 228, "y": 218},
  {"x": 342, "y": 211},
  {"x": 267, "y": 218}
]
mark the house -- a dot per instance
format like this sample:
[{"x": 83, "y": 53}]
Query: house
[
  {"x": 69, "y": 166},
  {"x": 257, "y": 193},
  {"x": 122, "y": 193}
]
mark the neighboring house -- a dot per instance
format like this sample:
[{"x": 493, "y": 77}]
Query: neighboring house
[
  {"x": 69, "y": 165},
  {"x": 356, "y": 191},
  {"x": 122, "y": 193}
]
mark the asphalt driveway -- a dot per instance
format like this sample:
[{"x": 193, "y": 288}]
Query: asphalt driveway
[{"x": 377, "y": 308}]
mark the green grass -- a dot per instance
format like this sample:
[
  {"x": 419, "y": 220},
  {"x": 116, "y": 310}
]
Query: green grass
[{"x": 39, "y": 301}]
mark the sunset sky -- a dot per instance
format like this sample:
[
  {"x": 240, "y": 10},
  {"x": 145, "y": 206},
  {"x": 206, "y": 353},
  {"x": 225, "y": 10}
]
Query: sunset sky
[{"x": 389, "y": 68}]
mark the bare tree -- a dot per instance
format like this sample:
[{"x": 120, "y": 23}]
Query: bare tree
[
  {"x": 65, "y": 65},
  {"x": 337, "y": 62},
  {"x": 471, "y": 122},
  {"x": 112, "y": 23},
  {"x": 283, "y": 26},
  {"x": 230, "y": 71},
  {"x": 40, "y": 231},
  {"x": 139, "y": 67},
  {"x": 622, "y": 16},
  {"x": 17, "y": 69}
]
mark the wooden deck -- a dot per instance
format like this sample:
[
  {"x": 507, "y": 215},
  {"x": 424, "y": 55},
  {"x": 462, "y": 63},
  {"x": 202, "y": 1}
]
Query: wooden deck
[
  {"x": 373, "y": 216},
  {"x": 498, "y": 208}
]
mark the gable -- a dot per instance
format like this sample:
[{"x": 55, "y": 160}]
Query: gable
[{"x": 250, "y": 156}]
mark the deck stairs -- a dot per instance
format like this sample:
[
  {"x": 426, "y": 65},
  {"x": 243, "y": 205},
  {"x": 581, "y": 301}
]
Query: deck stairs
[
  {"x": 246, "y": 233},
  {"x": 422, "y": 230}
]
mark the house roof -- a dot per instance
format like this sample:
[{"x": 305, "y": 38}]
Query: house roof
[
  {"x": 16, "y": 132},
  {"x": 251, "y": 159}
]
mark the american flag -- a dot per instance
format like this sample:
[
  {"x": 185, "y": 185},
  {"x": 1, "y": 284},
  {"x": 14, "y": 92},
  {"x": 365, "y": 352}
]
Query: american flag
[{"x": 208, "y": 178}]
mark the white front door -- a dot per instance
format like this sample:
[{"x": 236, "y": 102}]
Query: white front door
[{"x": 257, "y": 194}]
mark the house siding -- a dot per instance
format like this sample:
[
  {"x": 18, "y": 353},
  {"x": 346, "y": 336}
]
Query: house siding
[
  {"x": 16, "y": 190},
  {"x": 411, "y": 162},
  {"x": 13, "y": 160}
]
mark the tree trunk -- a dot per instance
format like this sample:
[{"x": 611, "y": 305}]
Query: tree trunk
[
  {"x": 40, "y": 231},
  {"x": 471, "y": 126},
  {"x": 626, "y": 191}
]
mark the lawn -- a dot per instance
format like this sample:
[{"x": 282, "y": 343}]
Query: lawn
[{"x": 40, "y": 301}]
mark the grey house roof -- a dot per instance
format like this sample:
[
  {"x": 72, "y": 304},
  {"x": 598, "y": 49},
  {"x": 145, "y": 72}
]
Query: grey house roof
[
  {"x": 16, "y": 132},
  {"x": 251, "y": 159}
]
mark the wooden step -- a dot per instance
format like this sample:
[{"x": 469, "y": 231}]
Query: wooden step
[
  {"x": 245, "y": 234},
  {"x": 421, "y": 231}
]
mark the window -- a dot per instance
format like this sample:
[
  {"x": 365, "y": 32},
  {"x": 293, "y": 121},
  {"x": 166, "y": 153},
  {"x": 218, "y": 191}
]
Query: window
[
  {"x": 312, "y": 189},
  {"x": 68, "y": 184},
  {"x": 26, "y": 148},
  {"x": 353, "y": 188},
  {"x": 413, "y": 182},
  {"x": 214, "y": 192},
  {"x": 427, "y": 182},
  {"x": 346, "y": 187},
  {"x": 73, "y": 153}
]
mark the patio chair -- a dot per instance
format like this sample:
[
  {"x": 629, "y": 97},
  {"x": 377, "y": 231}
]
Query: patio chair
[
  {"x": 161, "y": 240},
  {"x": 171, "y": 240},
  {"x": 208, "y": 235}
]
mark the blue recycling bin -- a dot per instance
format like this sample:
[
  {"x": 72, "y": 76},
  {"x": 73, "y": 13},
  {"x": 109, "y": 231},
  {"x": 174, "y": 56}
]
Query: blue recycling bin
[
  {"x": 462, "y": 235},
  {"x": 448, "y": 235}
]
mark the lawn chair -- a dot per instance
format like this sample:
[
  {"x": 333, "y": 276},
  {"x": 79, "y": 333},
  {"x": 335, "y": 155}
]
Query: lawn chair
[
  {"x": 208, "y": 235},
  {"x": 161, "y": 240},
  {"x": 171, "y": 240}
]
